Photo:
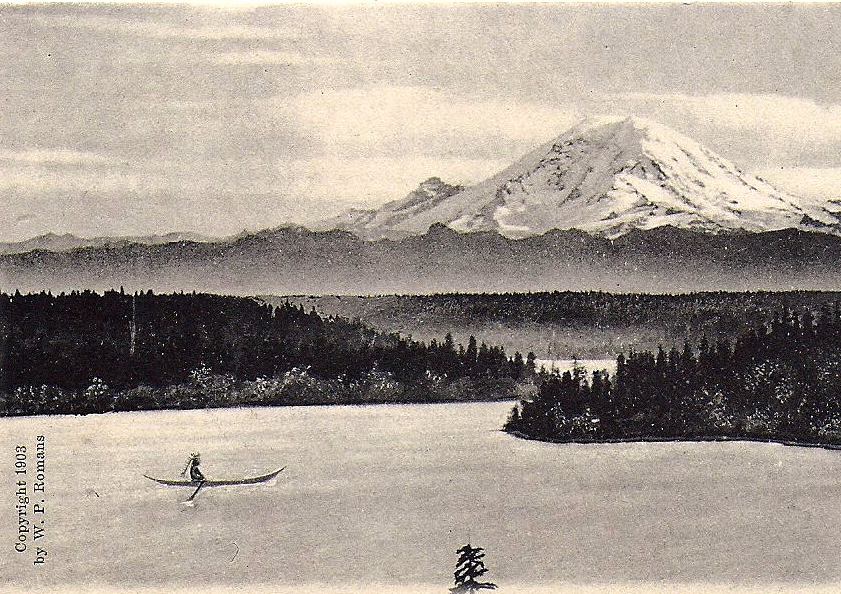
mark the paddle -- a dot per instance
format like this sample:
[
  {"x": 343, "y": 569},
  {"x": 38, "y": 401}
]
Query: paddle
[{"x": 196, "y": 492}]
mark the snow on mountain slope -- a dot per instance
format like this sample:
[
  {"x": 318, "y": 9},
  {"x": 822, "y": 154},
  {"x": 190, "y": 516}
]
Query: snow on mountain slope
[
  {"x": 376, "y": 222},
  {"x": 605, "y": 176}
]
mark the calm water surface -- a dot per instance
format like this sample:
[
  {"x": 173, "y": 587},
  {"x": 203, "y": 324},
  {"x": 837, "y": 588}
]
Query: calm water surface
[
  {"x": 378, "y": 498},
  {"x": 589, "y": 365}
]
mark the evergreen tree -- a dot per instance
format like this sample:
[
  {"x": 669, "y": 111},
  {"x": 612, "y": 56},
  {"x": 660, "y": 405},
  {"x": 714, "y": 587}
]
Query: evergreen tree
[
  {"x": 469, "y": 567},
  {"x": 517, "y": 365},
  {"x": 471, "y": 354},
  {"x": 531, "y": 364}
]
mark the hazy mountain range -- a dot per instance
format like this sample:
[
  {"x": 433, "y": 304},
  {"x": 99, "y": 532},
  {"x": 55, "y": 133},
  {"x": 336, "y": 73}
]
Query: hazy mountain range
[
  {"x": 299, "y": 261},
  {"x": 612, "y": 204},
  {"x": 53, "y": 242}
]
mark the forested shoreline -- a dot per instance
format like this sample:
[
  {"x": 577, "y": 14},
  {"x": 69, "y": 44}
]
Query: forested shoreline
[
  {"x": 86, "y": 352},
  {"x": 780, "y": 381},
  {"x": 586, "y": 324}
]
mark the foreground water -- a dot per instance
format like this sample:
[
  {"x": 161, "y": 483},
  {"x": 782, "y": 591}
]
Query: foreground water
[{"x": 378, "y": 498}]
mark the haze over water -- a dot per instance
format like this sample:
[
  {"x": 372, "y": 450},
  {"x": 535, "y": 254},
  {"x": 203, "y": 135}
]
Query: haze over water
[{"x": 378, "y": 498}]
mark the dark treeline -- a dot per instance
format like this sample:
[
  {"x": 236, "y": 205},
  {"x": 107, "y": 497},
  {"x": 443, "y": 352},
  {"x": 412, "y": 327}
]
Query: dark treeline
[
  {"x": 780, "y": 380},
  {"x": 615, "y": 309},
  {"x": 85, "y": 352}
]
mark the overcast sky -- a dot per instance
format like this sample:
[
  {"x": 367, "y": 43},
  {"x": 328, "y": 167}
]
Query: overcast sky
[{"x": 125, "y": 119}]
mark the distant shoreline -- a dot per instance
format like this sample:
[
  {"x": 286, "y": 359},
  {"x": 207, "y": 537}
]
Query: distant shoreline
[
  {"x": 289, "y": 405},
  {"x": 699, "y": 439}
]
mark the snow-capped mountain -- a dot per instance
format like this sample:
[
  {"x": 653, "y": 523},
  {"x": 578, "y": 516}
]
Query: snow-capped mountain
[
  {"x": 605, "y": 176},
  {"x": 371, "y": 223}
]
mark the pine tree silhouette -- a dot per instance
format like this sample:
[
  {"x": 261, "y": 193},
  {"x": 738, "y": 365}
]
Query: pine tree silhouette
[{"x": 469, "y": 567}]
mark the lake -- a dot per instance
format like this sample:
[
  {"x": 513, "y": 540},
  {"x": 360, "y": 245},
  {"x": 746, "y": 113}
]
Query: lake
[
  {"x": 588, "y": 365},
  {"x": 378, "y": 498}
]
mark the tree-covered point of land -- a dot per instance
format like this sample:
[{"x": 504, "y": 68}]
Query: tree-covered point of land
[
  {"x": 87, "y": 352},
  {"x": 779, "y": 381}
]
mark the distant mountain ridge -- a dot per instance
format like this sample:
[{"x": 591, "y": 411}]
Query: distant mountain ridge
[
  {"x": 295, "y": 261},
  {"x": 605, "y": 176},
  {"x": 59, "y": 243}
]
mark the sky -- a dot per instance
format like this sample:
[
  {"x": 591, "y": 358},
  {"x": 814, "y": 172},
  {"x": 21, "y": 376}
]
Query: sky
[{"x": 127, "y": 119}]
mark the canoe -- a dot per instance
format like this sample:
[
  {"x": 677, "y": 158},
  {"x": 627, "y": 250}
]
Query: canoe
[{"x": 217, "y": 482}]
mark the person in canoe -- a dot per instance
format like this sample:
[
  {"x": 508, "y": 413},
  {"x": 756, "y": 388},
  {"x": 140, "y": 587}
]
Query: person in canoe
[
  {"x": 192, "y": 468},
  {"x": 196, "y": 476},
  {"x": 196, "y": 479}
]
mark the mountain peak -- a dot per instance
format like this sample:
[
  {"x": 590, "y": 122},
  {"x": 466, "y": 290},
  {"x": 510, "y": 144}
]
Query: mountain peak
[
  {"x": 607, "y": 176},
  {"x": 432, "y": 184},
  {"x": 615, "y": 124},
  {"x": 389, "y": 219}
]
